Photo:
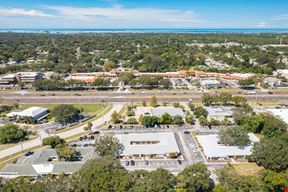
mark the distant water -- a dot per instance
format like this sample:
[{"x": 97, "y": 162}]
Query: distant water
[{"x": 70, "y": 31}]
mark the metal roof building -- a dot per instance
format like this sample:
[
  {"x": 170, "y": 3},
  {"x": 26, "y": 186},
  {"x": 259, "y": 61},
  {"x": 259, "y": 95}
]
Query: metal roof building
[
  {"x": 281, "y": 113},
  {"x": 143, "y": 144},
  {"x": 37, "y": 113},
  {"x": 213, "y": 150},
  {"x": 173, "y": 111}
]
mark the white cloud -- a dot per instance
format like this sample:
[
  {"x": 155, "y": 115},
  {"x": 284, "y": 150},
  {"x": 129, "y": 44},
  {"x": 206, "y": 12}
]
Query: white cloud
[
  {"x": 283, "y": 17},
  {"x": 119, "y": 14},
  {"x": 262, "y": 25},
  {"x": 22, "y": 12}
]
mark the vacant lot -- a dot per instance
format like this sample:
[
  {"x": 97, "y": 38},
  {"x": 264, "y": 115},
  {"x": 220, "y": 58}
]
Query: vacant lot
[{"x": 247, "y": 168}]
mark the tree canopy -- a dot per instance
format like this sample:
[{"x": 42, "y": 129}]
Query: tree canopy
[
  {"x": 108, "y": 146},
  {"x": 11, "y": 133},
  {"x": 234, "y": 136},
  {"x": 271, "y": 153},
  {"x": 53, "y": 141},
  {"x": 65, "y": 113}
]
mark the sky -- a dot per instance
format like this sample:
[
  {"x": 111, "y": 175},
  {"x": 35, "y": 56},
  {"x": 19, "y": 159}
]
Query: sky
[{"x": 109, "y": 14}]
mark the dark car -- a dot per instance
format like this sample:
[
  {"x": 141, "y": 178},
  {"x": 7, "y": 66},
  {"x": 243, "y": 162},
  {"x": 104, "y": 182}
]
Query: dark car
[
  {"x": 146, "y": 162},
  {"x": 132, "y": 162},
  {"x": 126, "y": 163},
  {"x": 179, "y": 162},
  {"x": 29, "y": 153}
]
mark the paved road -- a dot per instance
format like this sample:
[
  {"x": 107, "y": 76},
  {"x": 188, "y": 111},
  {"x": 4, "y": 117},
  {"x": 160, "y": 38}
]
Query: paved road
[
  {"x": 126, "y": 97},
  {"x": 42, "y": 134}
]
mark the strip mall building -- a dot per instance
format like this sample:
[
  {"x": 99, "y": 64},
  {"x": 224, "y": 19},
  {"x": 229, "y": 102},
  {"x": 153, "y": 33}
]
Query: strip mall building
[{"x": 90, "y": 77}]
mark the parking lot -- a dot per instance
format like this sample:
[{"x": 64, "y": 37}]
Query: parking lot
[
  {"x": 195, "y": 151},
  {"x": 51, "y": 127}
]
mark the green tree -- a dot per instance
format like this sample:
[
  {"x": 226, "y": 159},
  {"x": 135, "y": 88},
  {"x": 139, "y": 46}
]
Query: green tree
[
  {"x": 159, "y": 180},
  {"x": 208, "y": 99},
  {"x": 203, "y": 121},
  {"x": 232, "y": 182},
  {"x": 189, "y": 119},
  {"x": 253, "y": 123},
  {"x": 200, "y": 111},
  {"x": 239, "y": 113},
  {"x": 274, "y": 181},
  {"x": 234, "y": 136},
  {"x": 65, "y": 113},
  {"x": 109, "y": 146},
  {"x": 88, "y": 127},
  {"x": 225, "y": 98},
  {"x": 166, "y": 119},
  {"x": 100, "y": 175},
  {"x": 150, "y": 121},
  {"x": 191, "y": 106},
  {"x": 195, "y": 178},
  {"x": 273, "y": 126},
  {"x": 66, "y": 152},
  {"x": 178, "y": 120},
  {"x": 271, "y": 153},
  {"x": 116, "y": 117},
  {"x": 53, "y": 141},
  {"x": 238, "y": 100},
  {"x": 153, "y": 102},
  {"x": 177, "y": 104},
  {"x": 11, "y": 133}
]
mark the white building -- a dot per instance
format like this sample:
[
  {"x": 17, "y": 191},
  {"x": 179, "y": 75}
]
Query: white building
[
  {"x": 146, "y": 144},
  {"x": 281, "y": 113},
  {"x": 281, "y": 72},
  {"x": 219, "y": 113},
  {"x": 272, "y": 81},
  {"x": 37, "y": 113},
  {"x": 213, "y": 150},
  {"x": 9, "y": 79},
  {"x": 172, "y": 111},
  {"x": 210, "y": 83},
  {"x": 30, "y": 77}
]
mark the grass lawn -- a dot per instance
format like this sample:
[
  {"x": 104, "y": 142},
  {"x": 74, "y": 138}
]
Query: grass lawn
[
  {"x": 265, "y": 104},
  {"x": 279, "y": 90},
  {"x": 247, "y": 168},
  {"x": 91, "y": 109}
]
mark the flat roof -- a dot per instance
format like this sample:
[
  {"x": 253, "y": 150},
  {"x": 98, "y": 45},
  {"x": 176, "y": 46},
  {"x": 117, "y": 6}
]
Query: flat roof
[
  {"x": 173, "y": 111},
  {"x": 149, "y": 143},
  {"x": 212, "y": 149},
  {"x": 219, "y": 111},
  {"x": 281, "y": 113}
]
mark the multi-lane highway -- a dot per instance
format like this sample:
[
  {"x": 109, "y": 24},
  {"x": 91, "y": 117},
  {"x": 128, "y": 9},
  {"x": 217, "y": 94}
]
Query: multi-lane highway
[{"x": 88, "y": 97}]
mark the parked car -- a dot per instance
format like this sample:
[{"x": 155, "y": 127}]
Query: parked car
[
  {"x": 29, "y": 153},
  {"x": 126, "y": 163},
  {"x": 132, "y": 162},
  {"x": 146, "y": 162}
]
